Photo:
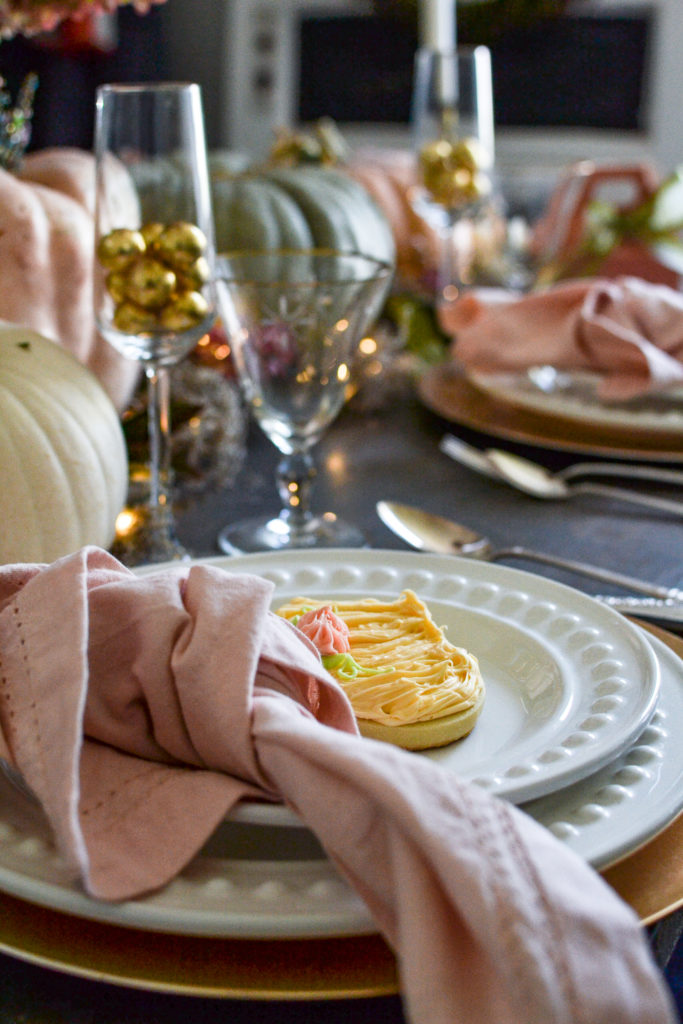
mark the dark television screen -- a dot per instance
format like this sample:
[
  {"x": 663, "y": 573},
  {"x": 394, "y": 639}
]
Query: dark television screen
[{"x": 587, "y": 72}]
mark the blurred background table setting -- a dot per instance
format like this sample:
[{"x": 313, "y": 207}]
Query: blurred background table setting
[{"x": 383, "y": 302}]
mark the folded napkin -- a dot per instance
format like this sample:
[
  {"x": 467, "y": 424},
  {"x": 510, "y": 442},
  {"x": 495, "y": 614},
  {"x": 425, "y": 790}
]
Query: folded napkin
[
  {"x": 628, "y": 330},
  {"x": 140, "y": 709}
]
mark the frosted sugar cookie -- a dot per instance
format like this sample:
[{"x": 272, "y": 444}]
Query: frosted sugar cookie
[{"x": 407, "y": 683}]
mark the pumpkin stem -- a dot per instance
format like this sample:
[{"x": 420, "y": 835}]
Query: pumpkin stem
[{"x": 324, "y": 145}]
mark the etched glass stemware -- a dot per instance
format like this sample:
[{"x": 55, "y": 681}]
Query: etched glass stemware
[
  {"x": 294, "y": 319},
  {"x": 453, "y": 139},
  {"x": 154, "y": 264}
]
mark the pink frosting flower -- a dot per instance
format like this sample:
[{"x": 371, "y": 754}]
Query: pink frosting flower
[{"x": 325, "y": 630}]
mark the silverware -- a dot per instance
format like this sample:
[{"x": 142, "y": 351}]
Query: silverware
[
  {"x": 428, "y": 532},
  {"x": 646, "y": 607},
  {"x": 469, "y": 456},
  {"x": 536, "y": 480},
  {"x": 479, "y": 460}
]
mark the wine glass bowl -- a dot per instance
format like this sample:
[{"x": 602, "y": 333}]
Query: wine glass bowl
[
  {"x": 152, "y": 307},
  {"x": 294, "y": 319},
  {"x": 154, "y": 257},
  {"x": 455, "y": 171}
]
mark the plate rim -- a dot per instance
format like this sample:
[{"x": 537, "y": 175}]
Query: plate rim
[
  {"x": 595, "y": 416},
  {"x": 445, "y": 391}
]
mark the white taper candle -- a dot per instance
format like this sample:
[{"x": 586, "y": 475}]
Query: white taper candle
[{"x": 438, "y": 24}]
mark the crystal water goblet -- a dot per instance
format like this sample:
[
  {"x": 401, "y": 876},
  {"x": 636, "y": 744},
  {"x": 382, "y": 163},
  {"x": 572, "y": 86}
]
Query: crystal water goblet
[
  {"x": 294, "y": 319},
  {"x": 154, "y": 296}
]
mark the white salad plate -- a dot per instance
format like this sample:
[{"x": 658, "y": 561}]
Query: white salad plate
[
  {"x": 574, "y": 395},
  {"x": 263, "y": 875},
  {"x": 569, "y": 683}
]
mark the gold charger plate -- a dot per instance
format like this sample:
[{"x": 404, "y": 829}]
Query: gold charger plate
[
  {"x": 650, "y": 880},
  {"x": 446, "y": 391},
  {"x": 309, "y": 969}
]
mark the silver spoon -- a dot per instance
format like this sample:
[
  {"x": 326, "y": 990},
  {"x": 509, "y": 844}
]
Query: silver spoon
[
  {"x": 428, "y": 532},
  {"x": 536, "y": 480}
]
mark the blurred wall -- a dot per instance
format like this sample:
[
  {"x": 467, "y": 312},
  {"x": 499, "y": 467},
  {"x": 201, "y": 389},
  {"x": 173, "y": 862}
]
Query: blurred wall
[{"x": 194, "y": 34}]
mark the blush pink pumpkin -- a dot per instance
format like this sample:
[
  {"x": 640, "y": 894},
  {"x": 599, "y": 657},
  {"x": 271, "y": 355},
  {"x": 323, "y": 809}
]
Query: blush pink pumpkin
[{"x": 46, "y": 258}]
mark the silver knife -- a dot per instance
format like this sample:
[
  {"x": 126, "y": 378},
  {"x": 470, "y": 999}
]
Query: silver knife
[{"x": 645, "y": 608}]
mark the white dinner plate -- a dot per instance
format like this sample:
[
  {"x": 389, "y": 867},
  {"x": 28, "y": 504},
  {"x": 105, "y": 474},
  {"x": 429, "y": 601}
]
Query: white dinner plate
[
  {"x": 610, "y": 814},
  {"x": 573, "y": 395},
  {"x": 272, "y": 882}
]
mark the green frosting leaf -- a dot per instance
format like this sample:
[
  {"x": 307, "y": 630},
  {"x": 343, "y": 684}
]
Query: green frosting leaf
[{"x": 346, "y": 666}]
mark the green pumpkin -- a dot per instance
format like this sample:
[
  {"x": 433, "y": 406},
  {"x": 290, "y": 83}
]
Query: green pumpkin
[{"x": 295, "y": 207}]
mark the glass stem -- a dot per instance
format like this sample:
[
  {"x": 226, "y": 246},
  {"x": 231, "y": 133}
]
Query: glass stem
[
  {"x": 295, "y": 475},
  {"x": 151, "y": 537},
  {"x": 158, "y": 413},
  {"x": 456, "y": 256}
]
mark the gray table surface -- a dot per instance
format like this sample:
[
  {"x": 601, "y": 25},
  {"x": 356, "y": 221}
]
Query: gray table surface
[
  {"x": 393, "y": 453},
  {"x": 366, "y": 456}
]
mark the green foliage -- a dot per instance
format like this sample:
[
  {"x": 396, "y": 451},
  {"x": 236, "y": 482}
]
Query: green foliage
[{"x": 416, "y": 321}]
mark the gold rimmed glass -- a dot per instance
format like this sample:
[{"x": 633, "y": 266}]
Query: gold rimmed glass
[{"x": 294, "y": 319}]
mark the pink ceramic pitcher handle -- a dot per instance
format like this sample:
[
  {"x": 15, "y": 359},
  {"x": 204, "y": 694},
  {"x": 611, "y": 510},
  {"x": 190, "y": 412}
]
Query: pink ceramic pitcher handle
[{"x": 560, "y": 230}]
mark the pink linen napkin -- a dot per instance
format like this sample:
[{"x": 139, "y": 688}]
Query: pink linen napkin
[
  {"x": 628, "y": 330},
  {"x": 141, "y": 709}
]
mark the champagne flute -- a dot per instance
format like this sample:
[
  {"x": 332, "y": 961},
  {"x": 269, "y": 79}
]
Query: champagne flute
[
  {"x": 453, "y": 130},
  {"x": 154, "y": 264},
  {"x": 294, "y": 319}
]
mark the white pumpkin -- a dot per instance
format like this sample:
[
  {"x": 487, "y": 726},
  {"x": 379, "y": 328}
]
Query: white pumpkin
[{"x": 63, "y": 458}]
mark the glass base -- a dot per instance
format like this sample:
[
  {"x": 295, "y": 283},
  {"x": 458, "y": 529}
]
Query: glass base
[
  {"x": 277, "y": 534},
  {"x": 146, "y": 537}
]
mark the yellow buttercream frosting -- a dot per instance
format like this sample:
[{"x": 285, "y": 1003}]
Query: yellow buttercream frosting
[{"x": 416, "y": 674}]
